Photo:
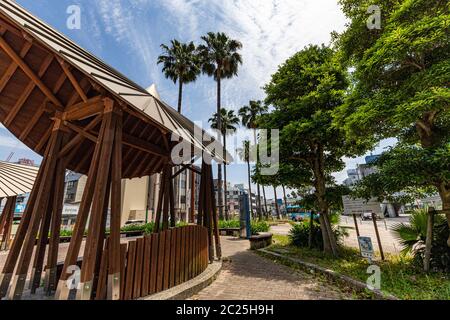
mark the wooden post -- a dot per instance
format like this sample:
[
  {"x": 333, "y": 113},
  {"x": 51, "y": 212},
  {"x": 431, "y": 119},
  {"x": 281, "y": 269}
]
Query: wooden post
[
  {"x": 215, "y": 217},
  {"x": 52, "y": 257},
  {"x": 192, "y": 211},
  {"x": 429, "y": 239},
  {"x": 114, "y": 276},
  {"x": 95, "y": 230},
  {"x": 171, "y": 204},
  {"x": 374, "y": 219},
  {"x": 37, "y": 213},
  {"x": 62, "y": 291},
  {"x": 356, "y": 225},
  {"x": 11, "y": 259},
  {"x": 6, "y": 223}
]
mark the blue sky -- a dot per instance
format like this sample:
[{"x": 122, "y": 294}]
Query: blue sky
[{"x": 127, "y": 35}]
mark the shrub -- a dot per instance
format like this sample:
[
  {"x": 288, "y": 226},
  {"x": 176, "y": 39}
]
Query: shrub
[
  {"x": 259, "y": 226},
  {"x": 224, "y": 224},
  {"x": 299, "y": 234},
  {"x": 412, "y": 237}
]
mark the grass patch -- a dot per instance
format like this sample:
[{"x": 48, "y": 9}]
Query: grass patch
[{"x": 399, "y": 276}]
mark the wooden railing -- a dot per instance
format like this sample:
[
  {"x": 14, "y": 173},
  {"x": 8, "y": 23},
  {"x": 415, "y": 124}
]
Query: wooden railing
[{"x": 157, "y": 262}]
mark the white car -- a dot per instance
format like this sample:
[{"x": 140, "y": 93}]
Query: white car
[{"x": 367, "y": 216}]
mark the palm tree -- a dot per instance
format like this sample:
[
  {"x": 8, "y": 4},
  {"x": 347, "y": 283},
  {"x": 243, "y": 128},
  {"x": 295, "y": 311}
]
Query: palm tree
[
  {"x": 180, "y": 64},
  {"x": 249, "y": 115},
  {"x": 277, "y": 207},
  {"x": 229, "y": 122},
  {"x": 244, "y": 154},
  {"x": 220, "y": 59}
]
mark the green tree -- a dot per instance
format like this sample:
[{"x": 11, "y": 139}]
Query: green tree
[
  {"x": 180, "y": 64},
  {"x": 305, "y": 93},
  {"x": 249, "y": 115},
  {"x": 220, "y": 59},
  {"x": 229, "y": 122},
  {"x": 401, "y": 86}
]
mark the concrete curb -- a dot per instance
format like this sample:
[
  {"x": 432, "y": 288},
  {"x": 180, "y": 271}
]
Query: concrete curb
[
  {"x": 333, "y": 275},
  {"x": 191, "y": 287}
]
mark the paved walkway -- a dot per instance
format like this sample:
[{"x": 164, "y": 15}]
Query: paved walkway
[{"x": 247, "y": 276}]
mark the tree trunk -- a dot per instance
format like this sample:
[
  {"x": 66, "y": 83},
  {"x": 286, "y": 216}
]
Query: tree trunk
[
  {"x": 329, "y": 241},
  {"x": 250, "y": 188},
  {"x": 285, "y": 199},
  {"x": 444, "y": 192},
  {"x": 265, "y": 202},
  {"x": 258, "y": 200},
  {"x": 219, "y": 166},
  {"x": 225, "y": 178},
  {"x": 180, "y": 95},
  {"x": 277, "y": 208},
  {"x": 425, "y": 129}
]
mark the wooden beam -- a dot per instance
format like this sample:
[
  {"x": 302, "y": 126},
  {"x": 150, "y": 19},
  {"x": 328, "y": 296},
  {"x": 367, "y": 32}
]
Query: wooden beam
[
  {"x": 83, "y": 110},
  {"x": 29, "y": 72},
  {"x": 80, "y": 131},
  {"x": 79, "y": 138},
  {"x": 13, "y": 66},
  {"x": 144, "y": 145},
  {"x": 72, "y": 79}
]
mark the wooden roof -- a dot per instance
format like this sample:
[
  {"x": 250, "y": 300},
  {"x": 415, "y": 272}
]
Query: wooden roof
[
  {"x": 43, "y": 73},
  {"x": 16, "y": 179}
]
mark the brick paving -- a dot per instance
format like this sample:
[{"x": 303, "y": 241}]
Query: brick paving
[{"x": 247, "y": 276}]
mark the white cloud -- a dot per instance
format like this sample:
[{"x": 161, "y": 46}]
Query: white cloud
[
  {"x": 271, "y": 31},
  {"x": 11, "y": 143}
]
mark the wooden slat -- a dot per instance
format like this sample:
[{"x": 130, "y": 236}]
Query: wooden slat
[
  {"x": 161, "y": 251},
  {"x": 101, "y": 292},
  {"x": 178, "y": 256},
  {"x": 146, "y": 265},
  {"x": 138, "y": 268},
  {"x": 123, "y": 265},
  {"x": 131, "y": 262},
  {"x": 29, "y": 72},
  {"x": 173, "y": 247},
  {"x": 154, "y": 263},
  {"x": 167, "y": 260},
  {"x": 183, "y": 255},
  {"x": 34, "y": 120}
]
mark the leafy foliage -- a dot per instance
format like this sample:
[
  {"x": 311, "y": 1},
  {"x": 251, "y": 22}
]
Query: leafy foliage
[
  {"x": 412, "y": 237},
  {"x": 299, "y": 234},
  {"x": 259, "y": 226}
]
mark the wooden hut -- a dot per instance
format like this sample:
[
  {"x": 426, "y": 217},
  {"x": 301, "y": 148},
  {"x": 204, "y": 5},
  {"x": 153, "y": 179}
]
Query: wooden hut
[{"x": 81, "y": 114}]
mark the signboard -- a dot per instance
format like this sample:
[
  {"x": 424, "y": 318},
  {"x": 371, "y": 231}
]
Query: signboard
[
  {"x": 70, "y": 209},
  {"x": 359, "y": 206},
  {"x": 366, "y": 247}
]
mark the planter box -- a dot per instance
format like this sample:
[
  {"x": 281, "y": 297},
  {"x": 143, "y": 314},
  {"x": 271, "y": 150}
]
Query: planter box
[{"x": 260, "y": 241}]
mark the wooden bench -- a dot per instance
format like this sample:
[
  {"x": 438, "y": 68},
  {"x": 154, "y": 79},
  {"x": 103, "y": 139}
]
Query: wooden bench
[{"x": 261, "y": 240}]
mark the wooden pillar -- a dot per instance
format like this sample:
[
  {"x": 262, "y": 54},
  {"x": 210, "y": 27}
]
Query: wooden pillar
[
  {"x": 171, "y": 195},
  {"x": 95, "y": 230},
  {"x": 215, "y": 218},
  {"x": 63, "y": 291},
  {"x": 55, "y": 229},
  {"x": 6, "y": 222},
  {"x": 166, "y": 201},
  {"x": 11, "y": 259},
  {"x": 192, "y": 211},
  {"x": 38, "y": 211},
  {"x": 114, "y": 276}
]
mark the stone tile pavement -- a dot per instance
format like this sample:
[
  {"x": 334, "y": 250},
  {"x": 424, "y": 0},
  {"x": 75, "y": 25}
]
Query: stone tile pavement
[{"x": 247, "y": 276}]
